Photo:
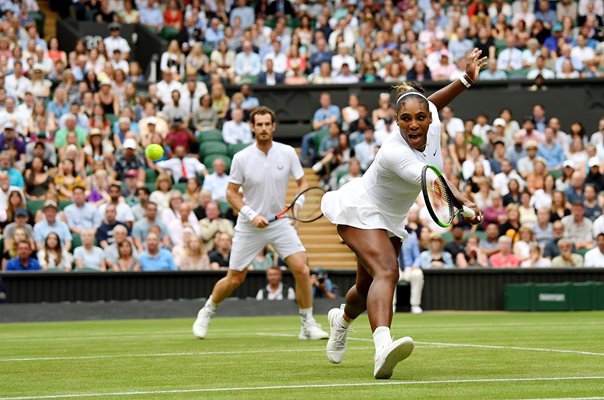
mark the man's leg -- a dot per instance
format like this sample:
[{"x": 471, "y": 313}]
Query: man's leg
[
  {"x": 307, "y": 142},
  {"x": 222, "y": 289},
  {"x": 297, "y": 265}
]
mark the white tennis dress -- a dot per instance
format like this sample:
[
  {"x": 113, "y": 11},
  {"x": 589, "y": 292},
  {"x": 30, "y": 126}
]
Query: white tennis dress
[{"x": 382, "y": 197}]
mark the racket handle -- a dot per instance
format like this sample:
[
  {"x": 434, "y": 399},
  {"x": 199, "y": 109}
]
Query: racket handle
[
  {"x": 271, "y": 218},
  {"x": 467, "y": 212}
]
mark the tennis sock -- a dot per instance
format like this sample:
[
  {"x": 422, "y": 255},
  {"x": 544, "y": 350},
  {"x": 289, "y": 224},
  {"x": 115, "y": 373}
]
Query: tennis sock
[
  {"x": 306, "y": 314},
  {"x": 210, "y": 305},
  {"x": 381, "y": 337}
]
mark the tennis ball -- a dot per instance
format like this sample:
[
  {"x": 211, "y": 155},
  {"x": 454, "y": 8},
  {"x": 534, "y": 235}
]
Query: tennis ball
[{"x": 154, "y": 152}]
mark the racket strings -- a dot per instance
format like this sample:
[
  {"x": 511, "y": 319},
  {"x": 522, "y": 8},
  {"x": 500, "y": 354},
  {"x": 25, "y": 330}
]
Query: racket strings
[
  {"x": 312, "y": 205},
  {"x": 440, "y": 200}
]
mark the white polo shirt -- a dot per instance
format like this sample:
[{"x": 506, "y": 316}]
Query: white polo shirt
[
  {"x": 112, "y": 43},
  {"x": 594, "y": 259},
  {"x": 265, "y": 177}
]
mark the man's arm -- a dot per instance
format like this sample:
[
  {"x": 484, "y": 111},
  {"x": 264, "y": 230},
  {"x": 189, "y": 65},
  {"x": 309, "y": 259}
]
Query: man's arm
[{"x": 235, "y": 199}]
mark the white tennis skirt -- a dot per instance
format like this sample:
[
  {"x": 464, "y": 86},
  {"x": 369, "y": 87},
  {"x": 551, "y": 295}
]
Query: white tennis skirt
[{"x": 351, "y": 205}]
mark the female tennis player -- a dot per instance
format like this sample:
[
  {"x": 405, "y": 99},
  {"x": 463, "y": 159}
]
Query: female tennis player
[{"x": 370, "y": 212}]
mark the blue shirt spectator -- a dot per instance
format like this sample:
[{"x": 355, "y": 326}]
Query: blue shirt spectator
[
  {"x": 23, "y": 261},
  {"x": 245, "y": 13},
  {"x": 141, "y": 228},
  {"x": 410, "y": 255},
  {"x": 80, "y": 215},
  {"x": 154, "y": 258},
  {"x": 214, "y": 33},
  {"x": 551, "y": 151},
  {"x": 247, "y": 63},
  {"x": 51, "y": 224},
  {"x": 152, "y": 15},
  {"x": 435, "y": 257}
]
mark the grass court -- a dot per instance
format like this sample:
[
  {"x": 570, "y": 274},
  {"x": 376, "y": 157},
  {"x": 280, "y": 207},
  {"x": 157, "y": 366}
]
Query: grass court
[{"x": 457, "y": 355}]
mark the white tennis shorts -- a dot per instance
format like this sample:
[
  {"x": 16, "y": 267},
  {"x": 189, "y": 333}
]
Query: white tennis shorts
[{"x": 249, "y": 241}]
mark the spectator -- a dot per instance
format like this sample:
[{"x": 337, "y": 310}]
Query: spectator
[
  {"x": 213, "y": 223},
  {"x": 191, "y": 254},
  {"x": 53, "y": 256},
  {"x": 535, "y": 259},
  {"x": 152, "y": 16},
  {"x": 127, "y": 260},
  {"x": 540, "y": 69},
  {"x": 567, "y": 259},
  {"x": 551, "y": 249},
  {"x": 182, "y": 167},
  {"x": 105, "y": 232},
  {"x": 88, "y": 256},
  {"x": 219, "y": 257},
  {"x": 473, "y": 257},
  {"x": 365, "y": 151},
  {"x": 510, "y": 58},
  {"x": 322, "y": 287},
  {"x": 14, "y": 175},
  {"x": 594, "y": 258},
  {"x": 128, "y": 159},
  {"x": 181, "y": 218},
  {"x": 179, "y": 135},
  {"x": 247, "y": 64},
  {"x": 220, "y": 101},
  {"x": 543, "y": 228},
  {"x": 21, "y": 221},
  {"x": 325, "y": 115},
  {"x": 594, "y": 177},
  {"x": 435, "y": 257},
  {"x": 275, "y": 290},
  {"x": 236, "y": 130},
  {"x": 124, "y": 212},
  {"x": 10, "y": 141},
  {"x": 504, "y": 258},
  {"x": 591, "y": 206},
  {"x": 142, "y": 227},
  {"x": 205, "y": 117},
  {"x": 161, "y": 194},
  {"x": 578, "y": 228},
  {"x": 23, "y": 261},
  {"x": 492, "y": 73},
  {"x": 522, "y": 246},
  {"x": 575, "y": 193},
  {"x": 457, "y": 245},
  {"x": 80, "y": 215},
  {"x": 268, "y": 76},
  {"x": 175, "y": 108},
  {"x": 11, "y": 244},
  {"x": 51, "y": 224},
  {"x": 111, "y": 252},
  {"x": 216, "y": 183},
  {"x": 155, "y": 258},
  {"x": 490, "y": 245},
  {"x": 115, "y": 41},
  {"x": 409, "y": 261}
]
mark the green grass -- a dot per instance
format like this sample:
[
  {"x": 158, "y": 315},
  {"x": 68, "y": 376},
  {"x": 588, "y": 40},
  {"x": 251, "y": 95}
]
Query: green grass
[{"x": 160, "y": 359}]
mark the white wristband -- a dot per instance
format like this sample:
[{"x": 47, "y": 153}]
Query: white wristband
[
  {"x": 464, "y": 81},
  {"x": 248, "y": 213},
  {"x": 300, "y": 201}
]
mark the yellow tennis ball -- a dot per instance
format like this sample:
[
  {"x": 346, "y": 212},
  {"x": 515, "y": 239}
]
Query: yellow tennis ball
[{"x": 154, "y": 152}]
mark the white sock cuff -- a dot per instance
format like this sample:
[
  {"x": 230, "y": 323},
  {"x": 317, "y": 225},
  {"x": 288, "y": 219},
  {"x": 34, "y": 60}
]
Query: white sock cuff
[
  {"x": 306, "y": 311},
  {"x": 210, "y": 304},
  {"x": 381, "y": 337}
]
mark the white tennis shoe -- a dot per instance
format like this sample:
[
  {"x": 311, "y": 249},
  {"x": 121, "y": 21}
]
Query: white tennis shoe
[
  {"x": 390, "y": 355},
  {"x": 201, "y": 324},
  {"x": 336, "y": 345},
  {"x": 310, "y": 330}
]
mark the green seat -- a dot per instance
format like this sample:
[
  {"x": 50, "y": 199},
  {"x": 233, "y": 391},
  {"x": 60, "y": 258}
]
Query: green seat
[
  {"x": 209, "y": 148},
  {"x": 224, "y": 207},
  {"x": 150, "y": 175},
  {"x": 318, "y": 138},
  {"x": 341, "y": 173},
  {"x": 214, "y": 135},
  {"x": 169, "y": 33},
  {"x": 112, "y": 118},
  {"x": 447, "y": 237},
  {"x": 64, "y": 203},
  {"x": 207, "y": 161},
  {"x": 556, "y": 173},
  {"x": 236, "y": 148},
  {"x": 180, "y": 186},
  {"x": 518, "y": 74},
  {"x": 34, "y": 205},
  {"x": 207, "y": 49},
  {"x": 76, "y": 241},
  {"x": 150, "y": 186}
]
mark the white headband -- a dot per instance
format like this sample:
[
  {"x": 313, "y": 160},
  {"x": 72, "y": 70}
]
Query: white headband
[{"x": 409, "y": 94}]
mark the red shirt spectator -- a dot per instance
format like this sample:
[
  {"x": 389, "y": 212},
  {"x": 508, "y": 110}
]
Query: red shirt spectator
[{"x": 180, "y": 136}]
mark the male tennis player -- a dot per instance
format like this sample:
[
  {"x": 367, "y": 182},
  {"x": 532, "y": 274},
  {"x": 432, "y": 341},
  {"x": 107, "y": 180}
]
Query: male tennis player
[
  {"x": 263, "y": 171},
  {"x": 370, "y": 214}
]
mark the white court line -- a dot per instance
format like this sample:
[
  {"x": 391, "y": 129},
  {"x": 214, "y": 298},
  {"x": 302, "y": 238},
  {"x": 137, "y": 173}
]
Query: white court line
[
  {"x": 566, "y": 398},
  {"x": 310, "y": 386},
  {"x": 176, "y": 354},
  {"x": 477, "y": 346}
]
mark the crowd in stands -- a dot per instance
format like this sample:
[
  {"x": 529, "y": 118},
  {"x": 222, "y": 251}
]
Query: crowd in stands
[{"x": 77, "y": 192}]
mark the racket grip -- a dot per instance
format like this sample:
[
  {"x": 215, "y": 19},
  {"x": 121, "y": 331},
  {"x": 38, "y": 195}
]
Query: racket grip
[
  {"x": 272, "y": 218},
  {"x": 467, "y": 212}
]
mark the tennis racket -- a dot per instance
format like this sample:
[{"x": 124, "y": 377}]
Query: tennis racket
[
  {"x": 442, "y": 205},
  {"x": 310, "y": 210}
]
